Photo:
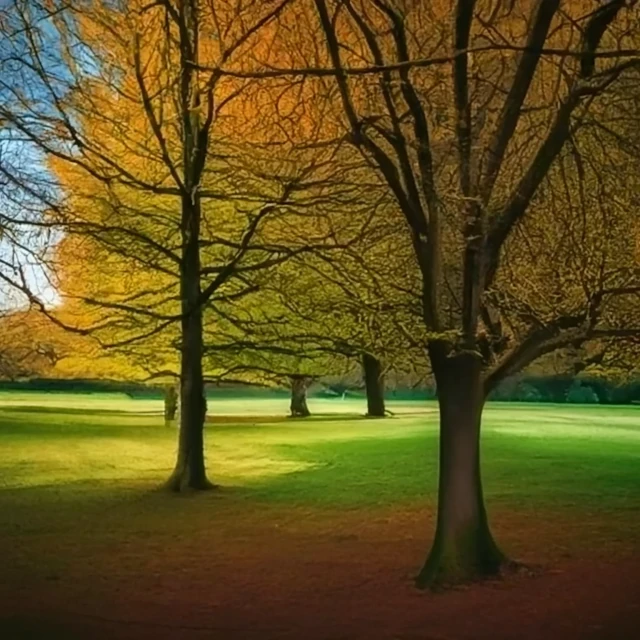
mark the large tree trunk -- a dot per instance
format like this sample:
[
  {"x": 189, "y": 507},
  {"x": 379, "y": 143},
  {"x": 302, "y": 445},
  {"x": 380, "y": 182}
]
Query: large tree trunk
[
  {"x": 463, "y": 548},
  {"x": 299, "y": 407},
  {"x": 189, "y": 472},
  {"x": 374, "y": 384},
  {"x": 170, "y": 403}
]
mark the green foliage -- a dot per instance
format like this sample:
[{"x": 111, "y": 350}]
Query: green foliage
[
  {"x": 565, "y": 388},
  {"x": 515, "y": 390},
  {"x": 527, "y": 393},
  {"x": 554, "y": 389},
  {"x": 79, "y": 386},
  {"x": 580, "y": 393}
]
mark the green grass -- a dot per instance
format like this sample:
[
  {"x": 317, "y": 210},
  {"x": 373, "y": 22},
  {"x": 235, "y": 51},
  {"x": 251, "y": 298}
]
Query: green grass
[
  {"x": 533, "y": 455},
  {"x": 337, "y": 508}
]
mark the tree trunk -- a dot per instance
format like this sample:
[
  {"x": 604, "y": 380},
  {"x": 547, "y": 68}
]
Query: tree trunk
[
  {"x": 374, "y": 384},
  {"x": 299, "y": 407},
  {"x": 463, "y": 548},
  {"x": 170, "y": 404},
  {"x": 189, "y": 472}
]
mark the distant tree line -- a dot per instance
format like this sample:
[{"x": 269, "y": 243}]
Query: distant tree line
[
  {"x": 566, "y": 388},
  {"x": 559, "y": 388}
]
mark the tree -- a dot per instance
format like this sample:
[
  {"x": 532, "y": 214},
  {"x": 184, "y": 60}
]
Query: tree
[
  {"x": 484, "y": 130},
  {"x": 320, "y": 318},
  {"x": 25, "y": 350},
  {"x": 345, "y": 312},
  {"x": 21, "y": 249},
  {"x": 170, "y": 403},
  {"x": 148, "y": 161},
  {"x": 374, "y": 385},
  {"x": 260, "y": 344},
  {"x": 299, "y": 384}
]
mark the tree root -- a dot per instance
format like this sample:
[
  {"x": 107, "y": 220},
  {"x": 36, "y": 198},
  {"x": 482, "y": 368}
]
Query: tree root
[
  {"x": 429, "y": 577},
  {"x": 178, "y": 484}
]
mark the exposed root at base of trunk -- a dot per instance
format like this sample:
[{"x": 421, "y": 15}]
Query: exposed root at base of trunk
[
  {"x": 179, "y": 484},
  {"x": 515, "y": 568},
  {"x": 386, "y": 414},
  {"x": 470, "y": 558},
  {"x": 439, "y": 578}
]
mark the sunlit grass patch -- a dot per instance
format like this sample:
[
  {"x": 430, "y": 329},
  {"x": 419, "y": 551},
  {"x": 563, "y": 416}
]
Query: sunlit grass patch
[
  {"x": 72, "y": 402},
  {"x": 251, "y": 463},
  {"x": 599, "y": 423},
  {"x": 72, "y": 459}
]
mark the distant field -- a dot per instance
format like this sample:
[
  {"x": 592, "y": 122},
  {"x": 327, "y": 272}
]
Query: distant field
[
  {"x": 268, "y": 406},
  {"x": 334, "y": 507},
  {"x": 59, "y": 438}
]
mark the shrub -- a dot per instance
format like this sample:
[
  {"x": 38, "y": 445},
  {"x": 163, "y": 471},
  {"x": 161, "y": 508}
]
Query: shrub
[{"x": 581, "y": 394}]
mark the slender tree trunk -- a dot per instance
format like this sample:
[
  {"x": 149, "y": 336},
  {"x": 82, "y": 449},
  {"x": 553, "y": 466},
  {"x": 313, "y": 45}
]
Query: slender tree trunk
[
  {"x": 299, "y": 407},
  {"x": 189, "y": 472},
  {"x": 463, "y": 548},
  {"x": 170, "y": 404},
  {"x": 374, "y": 384}
]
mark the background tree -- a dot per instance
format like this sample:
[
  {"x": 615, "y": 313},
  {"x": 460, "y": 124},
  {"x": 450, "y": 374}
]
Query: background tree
[
  {"x": 147, "y": 152},
  {"x": 26, "y": 351},
  {"x": 325, "y": 316}
]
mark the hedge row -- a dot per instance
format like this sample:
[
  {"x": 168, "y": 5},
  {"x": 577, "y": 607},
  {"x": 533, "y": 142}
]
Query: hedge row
[
  {"x": 522, "y": 389},
  {"x": 556, "y": 389}
]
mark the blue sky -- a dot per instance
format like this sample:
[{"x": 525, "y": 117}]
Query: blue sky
[{"x": 23, "y": 92}]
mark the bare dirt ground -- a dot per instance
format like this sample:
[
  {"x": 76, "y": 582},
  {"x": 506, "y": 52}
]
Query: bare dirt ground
[{"x": 301, "y": 574}]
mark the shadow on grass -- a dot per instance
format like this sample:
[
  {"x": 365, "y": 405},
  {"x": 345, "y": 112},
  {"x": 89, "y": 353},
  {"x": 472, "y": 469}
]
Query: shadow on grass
[
  {"x": 367, "y": 471},
  {"x": 529, "y": 472},
  {"x": 231, "y": 419},
  {"x": 375, "y": 467},
  {"x": 31, "y": 628},
  {"x": 210, "y": 419},
  {"x": 74, "y": 411}
]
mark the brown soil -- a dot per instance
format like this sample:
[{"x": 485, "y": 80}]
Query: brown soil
[{"x": 297, "y": 574}]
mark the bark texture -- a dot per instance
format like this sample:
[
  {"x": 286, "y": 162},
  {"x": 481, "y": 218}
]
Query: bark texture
[
  {"x": 189, "y": 472},
  {"x": 463, "y": 548},
  {"x": 299, "y": 408},
  {"x": 374, "y": 384}
]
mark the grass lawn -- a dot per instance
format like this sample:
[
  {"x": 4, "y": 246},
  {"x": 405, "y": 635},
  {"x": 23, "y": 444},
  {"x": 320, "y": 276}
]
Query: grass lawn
[{"x": 318, "y": 527}]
